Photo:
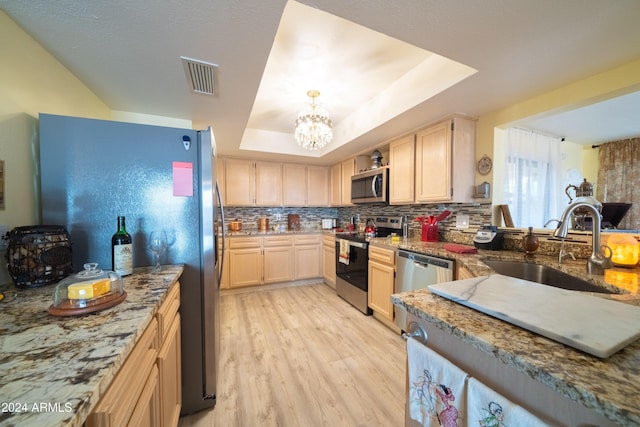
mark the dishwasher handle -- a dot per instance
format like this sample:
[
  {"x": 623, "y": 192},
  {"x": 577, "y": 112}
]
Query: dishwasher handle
[
  {"x": 421, "y": 264},
  {"x": 425, "y": 261}
]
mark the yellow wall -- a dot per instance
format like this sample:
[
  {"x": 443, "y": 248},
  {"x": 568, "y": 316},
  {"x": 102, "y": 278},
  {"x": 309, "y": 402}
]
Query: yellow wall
[
  {"x": 590, "y": 166},
  {"x": 613, "y": 83},
  {"x": 32, "y": 81}
]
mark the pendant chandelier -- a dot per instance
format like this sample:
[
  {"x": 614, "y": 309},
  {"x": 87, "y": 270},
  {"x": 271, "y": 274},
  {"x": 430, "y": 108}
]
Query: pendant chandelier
[{"x": 313, "y": 126}]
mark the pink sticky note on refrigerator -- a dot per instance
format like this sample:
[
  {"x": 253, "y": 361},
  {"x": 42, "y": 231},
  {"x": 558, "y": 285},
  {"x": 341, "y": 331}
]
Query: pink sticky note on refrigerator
[{"x": 183, "y": 179}]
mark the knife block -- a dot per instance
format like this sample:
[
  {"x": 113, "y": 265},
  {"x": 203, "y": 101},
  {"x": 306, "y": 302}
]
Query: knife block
[{"x": 429, "y": 232}]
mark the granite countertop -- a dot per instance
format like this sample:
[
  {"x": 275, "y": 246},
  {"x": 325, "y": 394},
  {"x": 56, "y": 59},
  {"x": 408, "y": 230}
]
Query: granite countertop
[
  {"x": 625, "y": 282},
  {"x": 609, "y": 386},
  {"x": 56, "y": 369}
]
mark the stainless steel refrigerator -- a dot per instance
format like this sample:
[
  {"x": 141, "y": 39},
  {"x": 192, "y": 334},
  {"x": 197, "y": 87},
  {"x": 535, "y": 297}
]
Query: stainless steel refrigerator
[{"x": 91, "y": 171}]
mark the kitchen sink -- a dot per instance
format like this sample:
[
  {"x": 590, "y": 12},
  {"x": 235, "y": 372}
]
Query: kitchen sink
[{"x": 544, "y": 275}]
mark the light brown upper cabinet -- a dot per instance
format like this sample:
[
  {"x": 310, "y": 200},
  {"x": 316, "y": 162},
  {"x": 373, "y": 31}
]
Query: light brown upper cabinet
[
  {"x": 268, "y": 184},
  {"x": 443, "y": 164},
  {"x": 262, "y": 183},
  {"x": 433, "y": 163},
  {"x": 336, "y": 185},
  {"x": 305, "y": 185},
  {"x": 252, "y": 183},
  {"x": 294, "y": 184},
  {"x": 240, "y": 182},
  {"x": 347, "y": 170},
  {"x": 318, "y": 186},
  {"x": 402, "y": 159}
]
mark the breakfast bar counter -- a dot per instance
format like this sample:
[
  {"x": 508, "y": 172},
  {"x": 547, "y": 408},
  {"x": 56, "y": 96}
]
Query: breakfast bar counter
[
  {"x": 608, "y": 386},
  {"x": 56, "y": 369}
]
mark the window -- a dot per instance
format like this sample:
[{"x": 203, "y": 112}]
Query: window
[{"x": 532, "y": 177}]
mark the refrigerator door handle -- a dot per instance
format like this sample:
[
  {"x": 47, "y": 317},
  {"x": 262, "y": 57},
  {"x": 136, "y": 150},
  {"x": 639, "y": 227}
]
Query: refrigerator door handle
[{"x": 222, "y": 234}]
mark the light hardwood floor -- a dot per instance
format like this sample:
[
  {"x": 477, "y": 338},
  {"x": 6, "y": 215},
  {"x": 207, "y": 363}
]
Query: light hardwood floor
[{"x": 302, "y": 356}]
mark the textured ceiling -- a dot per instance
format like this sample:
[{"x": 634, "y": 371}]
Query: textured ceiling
[{"x": 129, "y": 53}]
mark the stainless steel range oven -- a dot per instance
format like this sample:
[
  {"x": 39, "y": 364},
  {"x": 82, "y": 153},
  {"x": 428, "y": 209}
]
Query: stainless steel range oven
[{"x": 352, "y": 259}]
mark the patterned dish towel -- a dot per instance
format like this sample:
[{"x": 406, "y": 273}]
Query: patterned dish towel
[
  {"x": 344, "y": 251},
  {"x": 437, "y": 388},
  {"x": 488, "y": 408}
]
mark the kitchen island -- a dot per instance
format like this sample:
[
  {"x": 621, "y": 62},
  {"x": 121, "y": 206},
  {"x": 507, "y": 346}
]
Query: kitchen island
[
  {"x": 55, "y": 370},
  {"x": 607, "y": 386}
]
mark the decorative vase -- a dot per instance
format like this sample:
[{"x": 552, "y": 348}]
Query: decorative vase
[{"x": 530, "y": 243}]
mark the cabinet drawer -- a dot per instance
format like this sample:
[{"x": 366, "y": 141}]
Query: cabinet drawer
[
  {"x": 245, "y": 242},
  {"x": 382, "y": 255},
  {"x": 117, "y": 405},
  {"x": 168, "y": 311},
  {"x": 270, "y": 241},
  {"x": 308, "y": 239},
  {"x": 328, "y": 239}
]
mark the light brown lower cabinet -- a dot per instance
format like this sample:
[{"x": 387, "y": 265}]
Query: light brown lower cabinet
[
  {"x": 148, "y": 408},
  {"x": 329, "y": 259},
  {"x": 245, "y": 261},
  {"x": 381, "y": 281},
  {"x": 169, "y": 359},
  {"x": 277, "y": 258},
  {"x": 147, "y": 390},
  {"x": 224, "y": 274},
  {"x": 308, "y": 253}
]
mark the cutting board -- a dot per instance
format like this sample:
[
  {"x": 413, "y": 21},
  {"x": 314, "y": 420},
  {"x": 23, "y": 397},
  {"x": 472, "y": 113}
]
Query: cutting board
[{"x": 594, "y": 325}]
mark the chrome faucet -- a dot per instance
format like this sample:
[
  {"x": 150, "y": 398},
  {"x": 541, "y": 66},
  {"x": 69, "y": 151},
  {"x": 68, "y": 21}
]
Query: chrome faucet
[{"x": 597, "y": 262}]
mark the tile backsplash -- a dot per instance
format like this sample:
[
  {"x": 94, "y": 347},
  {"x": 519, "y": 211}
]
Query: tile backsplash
[
  {"x": 478, "y": 214},
  {"x": 310, "y": 218},
  {"x": 475, "y": 215}
]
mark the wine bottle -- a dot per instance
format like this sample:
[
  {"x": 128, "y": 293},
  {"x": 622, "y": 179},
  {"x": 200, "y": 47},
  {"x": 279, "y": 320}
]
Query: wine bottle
[{"x": 122, "y": 250}]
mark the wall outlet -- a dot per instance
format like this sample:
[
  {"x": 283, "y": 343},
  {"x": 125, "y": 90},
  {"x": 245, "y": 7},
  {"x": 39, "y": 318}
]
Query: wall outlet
[{"x": 462, "y": 221}]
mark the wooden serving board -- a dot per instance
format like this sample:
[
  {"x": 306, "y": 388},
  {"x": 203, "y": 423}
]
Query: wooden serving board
[
  {"x": 67, "y": 308},
  {"x": 595, "y": 325}
]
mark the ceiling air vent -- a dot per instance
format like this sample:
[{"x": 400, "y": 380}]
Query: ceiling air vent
[{"x": 202, "y": 76}]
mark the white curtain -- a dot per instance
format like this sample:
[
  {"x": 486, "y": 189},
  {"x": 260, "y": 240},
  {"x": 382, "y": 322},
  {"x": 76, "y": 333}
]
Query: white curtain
[{"x": 532, "y": 186}]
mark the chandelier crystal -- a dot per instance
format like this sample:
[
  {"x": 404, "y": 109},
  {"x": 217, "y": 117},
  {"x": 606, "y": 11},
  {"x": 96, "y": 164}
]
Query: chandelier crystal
[{"x": 313, "y": 126}]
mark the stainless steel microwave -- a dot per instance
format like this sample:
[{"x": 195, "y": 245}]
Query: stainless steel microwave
[{"x": 370, "y": 186}]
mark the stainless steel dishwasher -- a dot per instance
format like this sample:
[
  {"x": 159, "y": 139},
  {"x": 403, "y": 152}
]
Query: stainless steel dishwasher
[{"x": 417, "y": 271}]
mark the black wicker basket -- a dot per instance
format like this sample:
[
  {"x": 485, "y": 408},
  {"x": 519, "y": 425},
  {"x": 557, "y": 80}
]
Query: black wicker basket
[{"x": 39, "y": 255}]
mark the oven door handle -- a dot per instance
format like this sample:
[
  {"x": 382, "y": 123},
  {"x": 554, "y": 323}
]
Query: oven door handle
[{"x": 358, "y": 245}]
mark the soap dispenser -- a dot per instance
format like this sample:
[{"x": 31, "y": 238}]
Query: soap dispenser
[{"x": 530, "y": 243}]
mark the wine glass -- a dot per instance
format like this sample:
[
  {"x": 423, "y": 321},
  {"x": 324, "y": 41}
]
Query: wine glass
[{"x": 157, "y": 244}]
